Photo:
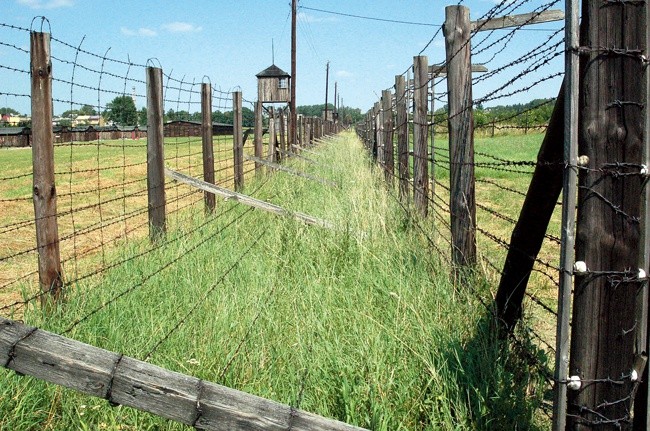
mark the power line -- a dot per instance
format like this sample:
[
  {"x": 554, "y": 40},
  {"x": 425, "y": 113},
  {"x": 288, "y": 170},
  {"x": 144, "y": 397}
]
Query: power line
[{"x": 369, "y": 18}]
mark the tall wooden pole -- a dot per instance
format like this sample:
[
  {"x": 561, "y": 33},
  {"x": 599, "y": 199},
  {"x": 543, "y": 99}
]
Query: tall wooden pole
[
  {"x": 401, "y": 126},
  {"x": 327, "y": 86},
  {"x": 462, "y": 204},
  {"x": 44, "y": 188},
  {"x": 206, "y": 140},
  {"x": 238, "y": 140},
  {"x": 420, "y": 135},
  {"x": 612, "y": 116},
  {"x": 387, "y": 135},
  {"x": 155, "y": 154},
  {"x": 257, "y": 136},
  {"x": 292, "y": 103}
]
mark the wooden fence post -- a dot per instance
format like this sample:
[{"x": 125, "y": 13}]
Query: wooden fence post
[
  {"x": 155, "y": 154},
  {"x": 462, "y": 204},
  {"x": 283, "y": 136},
  {"x": 257, "y": 136},
  {"x": 387, "y": 138},
  {"x": 612, "y": 117},
  {"x": 44, "y": 188},
  {"x": 401, "y": 126},
  {"x": 272, "y": 139},
  {"x": 208, "y": 146},
  {"x": 238, "y": 141},
  {"x": 420, "y": 135}
]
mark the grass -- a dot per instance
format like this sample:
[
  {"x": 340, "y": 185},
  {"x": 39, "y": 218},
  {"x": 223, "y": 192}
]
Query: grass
[{"x": 360, "y": 323}]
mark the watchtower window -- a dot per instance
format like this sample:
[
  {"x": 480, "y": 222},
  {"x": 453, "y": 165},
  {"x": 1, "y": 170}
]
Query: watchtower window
[{"x": 283, "y": 83}]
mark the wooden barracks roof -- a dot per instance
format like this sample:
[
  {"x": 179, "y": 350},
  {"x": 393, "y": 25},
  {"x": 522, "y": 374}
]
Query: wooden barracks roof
[{"x": 273, "y": 71}]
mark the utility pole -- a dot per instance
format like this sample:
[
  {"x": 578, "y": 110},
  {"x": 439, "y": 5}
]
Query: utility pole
[
  {"x": 336, "y": 84},
  {"x": 327, "y": 84},
  {"x": 292, "y": 102}
]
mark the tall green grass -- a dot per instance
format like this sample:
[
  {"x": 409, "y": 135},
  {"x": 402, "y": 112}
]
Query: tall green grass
[{"x": 360, "y": 323}]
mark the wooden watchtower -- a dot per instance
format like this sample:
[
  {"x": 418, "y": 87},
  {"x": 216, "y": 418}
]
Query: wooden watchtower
[{"x": 273, "y": 85}]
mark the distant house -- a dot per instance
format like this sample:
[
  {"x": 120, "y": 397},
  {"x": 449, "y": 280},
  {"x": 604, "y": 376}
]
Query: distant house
[
  {"x": 88, "y": 120},
  {"x": 182, "y": 128},
  {"x": 273, "y": 85},
  {"x": 15, "y": 136}
]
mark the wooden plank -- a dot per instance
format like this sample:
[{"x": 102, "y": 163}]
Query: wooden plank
[
  {"x": 133, "y": 383},
  {"x": 299, "y": 156},
  {"x": 44, "y": 188},
  {"x": 155, "y": 154},
  {"x": 462, "y": 202},
  {"x": 207, "y": 143},
  {"x": 517, "y": 20},
  {"x": 246, "y": 200},
  {"x": 279, "y": 167},
  {"x": 420, "y": 136}
]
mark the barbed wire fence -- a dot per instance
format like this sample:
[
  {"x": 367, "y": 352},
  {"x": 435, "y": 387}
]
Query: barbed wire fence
[
  {"x": 502, "y": 170},
  {"x": 102, "y": 183}
]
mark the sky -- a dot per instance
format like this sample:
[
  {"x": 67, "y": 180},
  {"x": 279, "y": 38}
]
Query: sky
[{"x": 226, "y": 42}]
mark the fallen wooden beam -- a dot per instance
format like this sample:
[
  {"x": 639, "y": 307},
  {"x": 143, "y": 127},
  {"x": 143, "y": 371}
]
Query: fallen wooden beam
[
  {"x": 246, "y": 200},
  {"x": 517, "y": 20},
  {"x": 279, "y": 167},
  {"x": 130, "y": 382},
  {"x": 306, "y": 150},
  {"x": 299, "y": 156}
]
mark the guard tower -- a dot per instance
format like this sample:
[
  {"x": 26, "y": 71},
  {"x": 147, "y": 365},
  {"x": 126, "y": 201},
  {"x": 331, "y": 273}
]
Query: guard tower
[{"x": 273, "y": 85}]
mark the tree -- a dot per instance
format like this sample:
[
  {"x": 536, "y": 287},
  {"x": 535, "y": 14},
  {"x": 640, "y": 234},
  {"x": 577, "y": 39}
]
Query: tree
[
  {"x": 122, "y": 111},
  {"x": 10, "y": 111},
  {"x": 142, "y": 117}
]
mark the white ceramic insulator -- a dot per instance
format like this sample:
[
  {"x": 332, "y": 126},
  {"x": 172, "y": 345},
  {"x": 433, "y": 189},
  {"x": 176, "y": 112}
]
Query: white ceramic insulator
[
  {"x": 634, "y": 376},
  {"x": 583, "y": 161},
  {"x": 642, "y": 274},
  {"x": 574, "y": 383},
  {"x": 644, "y": 170},
  {"x": 580, "y": 267}
]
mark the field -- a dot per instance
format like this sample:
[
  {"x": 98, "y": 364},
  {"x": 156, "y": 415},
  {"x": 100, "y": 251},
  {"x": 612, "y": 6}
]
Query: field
[{"x": 360, "y": 323}]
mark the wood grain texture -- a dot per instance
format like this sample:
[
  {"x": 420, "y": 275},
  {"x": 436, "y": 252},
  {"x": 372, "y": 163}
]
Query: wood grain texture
[
  {"x": 401, "y": 126},
  {"x": 462, "y": 201},
  {"x": 133, "y": 383},
  {"x": 155, "y": 154},
  {"x": 238, "y": 141},
  {"x": 44, "y": 187},
  {"x": 387, "y": 134},
  {"x": 207, "y": 143},
  {"x": 420, "y": 135},
  {"x": 517, "y": 20}
]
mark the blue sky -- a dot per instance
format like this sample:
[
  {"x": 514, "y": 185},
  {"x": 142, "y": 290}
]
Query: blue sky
[{"x": 230, "y": 41}]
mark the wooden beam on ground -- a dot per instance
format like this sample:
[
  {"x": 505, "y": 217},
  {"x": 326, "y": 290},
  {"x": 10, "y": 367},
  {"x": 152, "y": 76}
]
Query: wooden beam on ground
[
  {"x": 303, "y": 149},
  {"x": 246, "y": 200},
  {"x": 517, "y": 20},
  {"x": 133, "y": 383},
  {"x": 279, "y": 167},
  {"x": 299, "y": 156}
]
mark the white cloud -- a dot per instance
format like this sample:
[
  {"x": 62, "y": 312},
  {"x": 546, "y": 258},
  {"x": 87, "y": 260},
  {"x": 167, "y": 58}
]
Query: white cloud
[
  {"x": 181, "y": 27},
  {"x": 46, "y": 4},
  {"x": 142, "y": 31},
  {"x": 344, "y": 74}
]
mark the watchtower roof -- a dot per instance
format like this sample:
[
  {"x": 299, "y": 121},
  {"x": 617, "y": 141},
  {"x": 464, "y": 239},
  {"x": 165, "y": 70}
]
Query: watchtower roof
[{"x": 273, "y": 71}]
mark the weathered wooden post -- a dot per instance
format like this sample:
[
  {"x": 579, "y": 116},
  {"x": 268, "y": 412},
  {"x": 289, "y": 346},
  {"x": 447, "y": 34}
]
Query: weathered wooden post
[
  {"x": 155, "y": 154},
  {"x": 283, "y": 137},
  {"x": 387, "y": 138},
  {"x": 272, "y": 139},
  {"x": 258, "y": 133},
  {"x": 208, "y": 146},
  {"x": 44, "y": 188},
  {"x": 613, "y": 106},
  {"x": 420, "y": 135},
  {"x": 401, "y": 126},
  {"x": 238, "y": 140},
  {"x": 457, "y": 30}
]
